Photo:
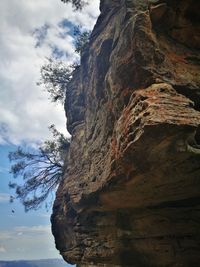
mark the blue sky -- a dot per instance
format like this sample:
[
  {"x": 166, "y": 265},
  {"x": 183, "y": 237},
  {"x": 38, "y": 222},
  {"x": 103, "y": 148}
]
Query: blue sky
[{"x": 30, "y": 31}]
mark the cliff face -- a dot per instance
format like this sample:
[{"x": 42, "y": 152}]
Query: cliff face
[{"x": 131, "y": 191}]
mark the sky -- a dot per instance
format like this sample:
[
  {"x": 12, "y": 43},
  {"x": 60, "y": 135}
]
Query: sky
[{"x": 30, "y": 31}]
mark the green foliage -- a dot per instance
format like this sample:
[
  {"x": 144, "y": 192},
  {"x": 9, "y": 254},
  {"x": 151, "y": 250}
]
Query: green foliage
[
  {"x": 55, "y": 76},
  {"x": 41, "y": 170},
  {"x": 77, "y": 4},
  {"x": 81, "y": 39}
]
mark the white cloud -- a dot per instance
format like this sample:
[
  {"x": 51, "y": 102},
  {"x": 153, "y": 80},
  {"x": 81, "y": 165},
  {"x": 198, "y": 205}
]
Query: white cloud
[
  {"x": 33, "y": 242},
  {"x": 3, "y": 169},
  {"x": 45, "y": 215},
  {"x": 25, "y": 109},
  {"x": 37, "y": 229},
  {"x": 2, "y": 249},
  {"x": 4, "y": 197},
  {"x": 26, "y": 231}
]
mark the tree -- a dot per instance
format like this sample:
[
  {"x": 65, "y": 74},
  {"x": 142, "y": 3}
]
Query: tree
[
  {"x": 81, "y": 39},
  {"x": 55, "y": 76},
  {"x": 77, "y": 4},
  {"x": 41, "y": 170}
]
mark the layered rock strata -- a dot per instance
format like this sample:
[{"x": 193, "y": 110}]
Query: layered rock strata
[{"x": 130, "y": 195}]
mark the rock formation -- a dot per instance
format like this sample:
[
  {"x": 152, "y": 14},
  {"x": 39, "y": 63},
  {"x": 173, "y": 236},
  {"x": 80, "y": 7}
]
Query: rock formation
[{"x": 130, "y": 195}]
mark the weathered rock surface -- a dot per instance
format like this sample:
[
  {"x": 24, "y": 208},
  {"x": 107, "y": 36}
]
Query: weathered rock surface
[{"x": 131, "y": 191}]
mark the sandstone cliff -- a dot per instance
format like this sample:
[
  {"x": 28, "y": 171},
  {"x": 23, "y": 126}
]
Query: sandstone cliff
[{"x": 131, "y": 191}]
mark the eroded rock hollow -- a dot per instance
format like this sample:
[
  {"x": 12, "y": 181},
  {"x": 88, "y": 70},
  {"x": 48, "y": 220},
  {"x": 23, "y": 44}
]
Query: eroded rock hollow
[{"x": 130, "y": 195}]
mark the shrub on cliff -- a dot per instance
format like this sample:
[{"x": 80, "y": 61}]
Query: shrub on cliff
[
  {"x": 41, "y": 170},
  {"x": 55, "y": 76},
  {"x": 77, "y": 4},
  {"x": 81, "y": 39}
]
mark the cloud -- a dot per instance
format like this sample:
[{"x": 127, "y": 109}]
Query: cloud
[
  {"x": 3, "y": 169},
  {"x": 2, "y": 249},
  {"x": 45, "y": 215},
  {"x": 33, "y": 242},
  {"x": 30, "y": 31},
  {"x": 33, "y": 230},
  {"x": 26, "y": 231},
  {"x": 4, "y": 197}
]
